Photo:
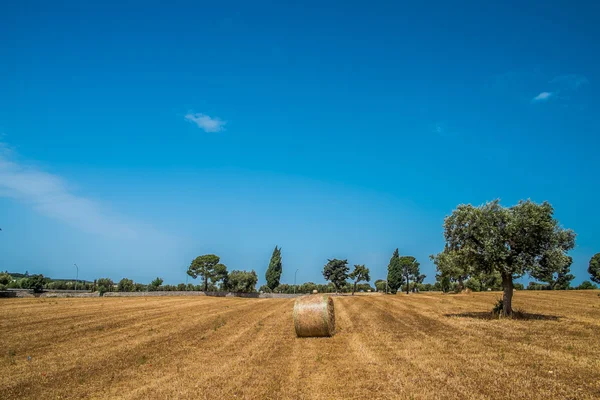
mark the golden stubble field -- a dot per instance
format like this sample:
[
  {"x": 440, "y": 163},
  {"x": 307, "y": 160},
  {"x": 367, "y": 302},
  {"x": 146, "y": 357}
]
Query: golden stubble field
[{"x": 416, "y": 346}]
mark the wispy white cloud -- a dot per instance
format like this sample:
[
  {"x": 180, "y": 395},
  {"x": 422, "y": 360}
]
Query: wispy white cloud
[
  {"x": 544, "y": 96},
  {"x": 570, "y": 81},
  {"x": 49, "y": 194},
  {"x": 438, "y": 129},
  {"x": 205, "y": 122}
]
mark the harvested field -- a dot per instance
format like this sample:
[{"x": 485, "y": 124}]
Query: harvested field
[{"x": 416, "y": 346}]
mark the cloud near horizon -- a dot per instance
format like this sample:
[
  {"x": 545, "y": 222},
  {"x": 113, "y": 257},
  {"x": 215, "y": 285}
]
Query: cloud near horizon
[
  {"x": 205, "y": 122},
  {"x": 49, "y": 195},
  {"x": 543, "y": 96}
]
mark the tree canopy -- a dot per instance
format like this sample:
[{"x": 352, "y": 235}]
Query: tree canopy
[
  {"x": 410, "y": 268},
  {"x": 242, "y": 281},
  {"x": 274, "y": 270},
  {"x": 208, "y": 268},
  {"x": 525, "y": 238},
  {"x": 594, "y": 268},
  {"x": 336, "y": 271},
  {"x": 360, "y": 273},
  {"x": 126, "y": 285}
]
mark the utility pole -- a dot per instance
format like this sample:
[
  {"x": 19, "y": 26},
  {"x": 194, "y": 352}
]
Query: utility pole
[
  {"x": 295, "y": 273},
  {"x": 77, "y": 278}
]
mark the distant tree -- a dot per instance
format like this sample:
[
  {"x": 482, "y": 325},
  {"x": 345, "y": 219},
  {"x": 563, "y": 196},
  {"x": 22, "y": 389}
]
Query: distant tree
[
  {"x": 274, "y": 270},
  {"x": 221, "y": 276},
  {"x": 105, "y": 285},
  {"x": 336, "y": 271},
  {"x": 125, "y": 285},
  {"x": 450, "y": 269},
  {"x": 181, "y": 287},
  {"x": 558, "y": 277},
  {"x": 409, "y": 267},
  {"x": 586, "y": 285},
  {"x": 594, "y": 268},
  {"x": 364, "y": 287},
  {"x": 5, "y": 278},
  {"x": 525, "y": 238},
  {"x": 442, "y": 282},
  {"x": 264, "y": 289},
  {"x": 156, "y": 283},
  {"x": 394, "y": 277},
  {"x": 243, "y": 281},
  {"x": 418, "y": 279},
  {"x": 380, "y": 285},
  {"x": 140, "y": 287},
  {"x": 360, "y": 273},
  {"x": 206, "y": 267}
]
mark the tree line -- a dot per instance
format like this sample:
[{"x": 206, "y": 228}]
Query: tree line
[{"x": 486, "y": 248}]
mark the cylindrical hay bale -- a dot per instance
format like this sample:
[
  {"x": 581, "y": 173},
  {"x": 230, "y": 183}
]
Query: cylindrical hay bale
[
  {"x": 315, "y": 291},
  {"x": 314, "y": 316}
]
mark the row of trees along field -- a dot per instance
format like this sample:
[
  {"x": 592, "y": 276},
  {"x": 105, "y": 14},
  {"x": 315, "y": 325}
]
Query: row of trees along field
[{"x": 486, "y": 248}]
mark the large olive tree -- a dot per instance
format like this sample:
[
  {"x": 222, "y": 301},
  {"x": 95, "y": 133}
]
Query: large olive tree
[{"x": 525, "y": 238}]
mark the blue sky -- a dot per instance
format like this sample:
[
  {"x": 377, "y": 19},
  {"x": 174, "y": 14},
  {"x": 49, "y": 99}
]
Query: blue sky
[{"x": 137, "y": 136}]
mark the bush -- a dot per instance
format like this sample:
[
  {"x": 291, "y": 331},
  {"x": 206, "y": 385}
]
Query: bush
[
  {"x": 126, "y": 285},
  {"x": 5, "y": 278},
  {"x": 34, "y": 282},
  {"x": 586, "y": 285},
  {"x": 105, "y": 285}
]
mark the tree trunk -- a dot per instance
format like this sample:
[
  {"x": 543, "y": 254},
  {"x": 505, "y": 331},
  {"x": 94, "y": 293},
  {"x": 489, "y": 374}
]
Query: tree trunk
[
  {"x": 354, "y": 288},
  {"x": 507, "y": 285},
  {"x": 461, "y": 285},
  {"x": 407, "y": 284},
  {"x": 205, "y": 283}
]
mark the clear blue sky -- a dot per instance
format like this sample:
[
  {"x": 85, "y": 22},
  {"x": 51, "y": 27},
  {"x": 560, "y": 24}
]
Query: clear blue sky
[{"x": 137, "y": 136}]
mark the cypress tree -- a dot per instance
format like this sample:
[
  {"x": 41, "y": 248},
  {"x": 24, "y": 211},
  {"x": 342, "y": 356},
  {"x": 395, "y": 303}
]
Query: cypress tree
[
  {"x": 275, "y": 268},
  {"x": 394, "y": 277}
]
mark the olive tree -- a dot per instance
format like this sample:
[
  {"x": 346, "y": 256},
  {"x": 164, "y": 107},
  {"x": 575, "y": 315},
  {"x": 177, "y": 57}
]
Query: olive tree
[
  {"x": 525, "y": 238},
  {"x": 360, "y": 273}
]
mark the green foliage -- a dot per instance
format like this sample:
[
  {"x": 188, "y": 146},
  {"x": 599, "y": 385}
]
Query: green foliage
[
  {"x": 140, "y": 287},
  {"x": 557, "y": 277},
  {"x": 360, "y": 273},
  {"x": 126, "y": 285},
  {"x": 156, "y": 282},
  {"x": 5, "y": 278},
  {"x": 473, "y": 284},
  {"x": 105, "y": 285},
  {"x": 34, "y": 282},
  {"x": 586, "y": 285},
  {"x": 410, "y": 269},
  {"x": 336, "y": 271},
  {"x": 208, "y": 268},
  {"x": 538, "y": 286},
  {"x": 525, "y": 238},
  {"x": 594, "y": 268},
  {"x": 394, "y": 277},
  {"x": 242, "y": 281},
  {"x": 380, "y": 285},
  {"x": 274, "y": 270},
  {"x": 265, "y": 289}
]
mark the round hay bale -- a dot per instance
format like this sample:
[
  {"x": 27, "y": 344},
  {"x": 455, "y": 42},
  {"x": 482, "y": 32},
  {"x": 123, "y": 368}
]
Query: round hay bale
[
  {"x": 314, "y": 316},
  {"x": 315, "y": 291}
]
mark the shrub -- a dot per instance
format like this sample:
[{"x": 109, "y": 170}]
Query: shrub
[{"x": 126, "y": 285}]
